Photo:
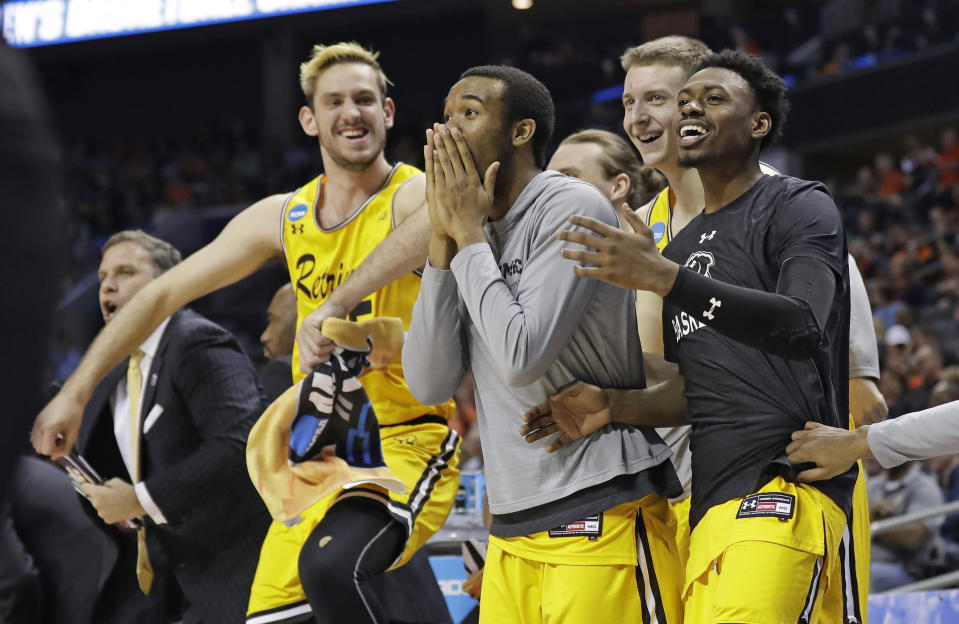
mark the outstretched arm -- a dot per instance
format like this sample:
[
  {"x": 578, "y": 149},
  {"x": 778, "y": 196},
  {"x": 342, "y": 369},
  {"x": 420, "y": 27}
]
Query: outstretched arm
[
  {"x": 401, "y": 252},
  {"x": 580, "y": 409},
  {"x": 919, "y": 435},
  {"x": 247, "y": 242},
  {"x": 833, "y": 449}
]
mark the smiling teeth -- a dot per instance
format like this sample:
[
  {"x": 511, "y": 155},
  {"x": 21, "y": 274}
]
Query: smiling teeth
[
  {"x": 649, "y": 137},
  {"x": 692, "y": 130},
  {"x": 353, "y": 134}
]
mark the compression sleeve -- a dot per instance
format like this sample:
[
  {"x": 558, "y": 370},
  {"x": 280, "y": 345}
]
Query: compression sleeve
[{"x": 788, "y": 323}]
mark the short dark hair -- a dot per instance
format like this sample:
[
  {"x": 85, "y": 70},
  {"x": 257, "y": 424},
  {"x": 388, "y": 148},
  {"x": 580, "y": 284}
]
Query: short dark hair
[
  {"x": 525, "y": 97},
  {"x": 768, "y": 89},
  {"x": 165, "y": 256}
]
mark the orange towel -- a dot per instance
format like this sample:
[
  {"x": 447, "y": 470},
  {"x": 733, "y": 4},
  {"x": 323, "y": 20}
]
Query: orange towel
[{"x": 336, "y": 441}]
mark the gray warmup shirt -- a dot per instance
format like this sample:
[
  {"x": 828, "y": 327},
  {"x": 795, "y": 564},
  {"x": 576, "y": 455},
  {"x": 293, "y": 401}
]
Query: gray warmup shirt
[{"x": 515, "y": 313}]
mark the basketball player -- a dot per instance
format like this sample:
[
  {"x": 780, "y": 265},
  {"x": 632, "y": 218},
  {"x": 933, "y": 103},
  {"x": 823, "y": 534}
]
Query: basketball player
[
  {"x": 498, "y": 300},
  {"x": 774, "y": 353},
  {"x": 656, "y": 70},
  {"x": 650, "y": 77},
  {"x": 607, "y": 162},
  {"x": 351, "y": 238}
]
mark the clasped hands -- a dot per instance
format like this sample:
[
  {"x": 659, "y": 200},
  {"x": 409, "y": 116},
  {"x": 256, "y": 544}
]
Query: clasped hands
[{"x": 459, "y": 201}]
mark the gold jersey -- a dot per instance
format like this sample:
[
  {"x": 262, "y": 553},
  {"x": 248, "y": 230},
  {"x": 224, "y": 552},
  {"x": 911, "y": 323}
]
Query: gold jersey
[
  {"x": 321, "y": 259},
  {"x": 660, "y": 217}
]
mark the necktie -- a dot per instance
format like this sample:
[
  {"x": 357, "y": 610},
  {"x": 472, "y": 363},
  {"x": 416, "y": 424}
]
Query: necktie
[{"x": 134, "y": 384}]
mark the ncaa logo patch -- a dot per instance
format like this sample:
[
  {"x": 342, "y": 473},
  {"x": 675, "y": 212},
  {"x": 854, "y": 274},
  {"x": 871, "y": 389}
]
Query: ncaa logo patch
[
  {"x": 659, "y": 231},
  {"x": 297, "y": 212}
]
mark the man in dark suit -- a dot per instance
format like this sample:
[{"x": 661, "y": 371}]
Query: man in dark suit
[
  {"x": 72, "y": 552},
  {"x": 167, "y": 430},
  {"x": 278, "y": 341}
]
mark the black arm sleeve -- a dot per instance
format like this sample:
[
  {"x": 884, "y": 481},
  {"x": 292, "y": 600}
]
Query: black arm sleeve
[{"x": 788, "y": 323}]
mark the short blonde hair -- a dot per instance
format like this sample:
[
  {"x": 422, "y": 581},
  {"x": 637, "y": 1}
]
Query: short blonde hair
[
  {"x": 676, "y": 50},
  {"x": 325, "y": 56}
]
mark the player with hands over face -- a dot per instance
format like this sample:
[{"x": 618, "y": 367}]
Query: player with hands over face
[{"x": 498, "y": 300}]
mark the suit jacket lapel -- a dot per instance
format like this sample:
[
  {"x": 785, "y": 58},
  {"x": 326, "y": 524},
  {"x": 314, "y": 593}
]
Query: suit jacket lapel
[
  {"x": 156, "y": 370},
  {"x": 149, "y": 393},
  {"x": 99, "y": 403}
]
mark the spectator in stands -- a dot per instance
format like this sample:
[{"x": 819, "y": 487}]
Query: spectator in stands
[
  {"x": 948, "y": 161},
  {"x": 840, "y": 60},
  {"x": 898, "y": 341},
  {"x": 918, "y": 165},
  {"x": 902, "y": 271},
  {"x": 891, "y": 181},
  {"x": 947, "y": 286},
  {"x": 902, "y": 555},
  {"x": 927, "y": 364}
]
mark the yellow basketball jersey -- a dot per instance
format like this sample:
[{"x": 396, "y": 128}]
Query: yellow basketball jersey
[
  {"x": 320, "y": 260},
  {"x": 659, "y": 218}
]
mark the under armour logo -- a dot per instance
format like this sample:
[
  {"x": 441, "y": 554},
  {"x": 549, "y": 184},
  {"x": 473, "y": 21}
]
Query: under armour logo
[
  {"x": 716, "y": 303},
  {"x": 705, "y": 237},
  {"x": 749, "y": 504},
  {"x": 293, "y": 229}
]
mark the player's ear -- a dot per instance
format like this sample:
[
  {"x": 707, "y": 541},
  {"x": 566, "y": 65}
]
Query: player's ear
[
  {"x": 762, "y": 125},
  {"x": 389, "y": 110},
  {"x": 307, "y": 121},
  {"x": 523, "y": 132},
  {"x": 620, "y": 188}
]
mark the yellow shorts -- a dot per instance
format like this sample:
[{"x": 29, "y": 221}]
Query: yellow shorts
[
  {"x": 620, "y": 566},
  {"x": 854, "y": 560},
  {"x": 768, "y": 558},
  {"x": 425, "y": 456},
  {"x": 680, "y": 511}
]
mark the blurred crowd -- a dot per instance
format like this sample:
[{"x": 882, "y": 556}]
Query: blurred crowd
[
  {"x": 808, "y": 40},
  {"x": 902, "y": 221},
  {"x": 119, "y": 185}
]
